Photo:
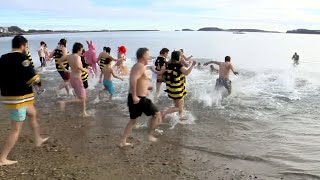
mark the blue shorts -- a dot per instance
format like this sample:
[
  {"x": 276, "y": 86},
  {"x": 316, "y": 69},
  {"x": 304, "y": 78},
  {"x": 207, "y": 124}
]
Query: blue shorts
[
  {"x": 109, "y": 86},
  {"x": 18, "y": 114}
]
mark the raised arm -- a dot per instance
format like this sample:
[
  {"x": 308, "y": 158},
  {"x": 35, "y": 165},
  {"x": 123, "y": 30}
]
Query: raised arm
[
  {"x": 212, "y": 62},
  {"x": 136, "y": 73},
  {"x": 187, "y": 71}
]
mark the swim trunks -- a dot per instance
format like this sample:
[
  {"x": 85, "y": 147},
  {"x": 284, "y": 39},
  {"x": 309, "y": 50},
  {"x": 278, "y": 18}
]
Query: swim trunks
[
  {"x": 77, "y": 85},
  {"x": 18, "y": 114},
  {"x": 109, "y": 86},
  {"x": 65, "y": 75},
  {"x": 224, "y": 83},
  {"x": 145, "y": 106}
]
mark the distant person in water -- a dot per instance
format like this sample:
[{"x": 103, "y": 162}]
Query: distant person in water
[
  {"x": 161, "y": 64},
  {"x": 213, "y": 70},
  {"x": 17, "y": 75},
  {"x": 224, "y": 71},
  {"x": 138, "y": 102},
  {"x": 77, "y": 69},
  {"x": 199, "y": 66},
  {"x": 42, "y": 55},
  {"x": 108, "y": 74},
  {"x": 295, "y": 59},
  {"x": 60, "y": 53},
  {"x": 175, "y": 76}
]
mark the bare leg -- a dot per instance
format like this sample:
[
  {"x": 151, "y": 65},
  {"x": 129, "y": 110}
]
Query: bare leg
[
  {"x": 180, "y": 105},
  {"x": 154, "y": 122},
  {"x": 84, "y": 107},
  {"x": 110, "y": 97},
  {"x": 171, "y": 110},
  {"x": 127, "y": 132},
  {"x": 64, "y": 103},
  {"x": 10, "y": 142},
  {"x": 158, "y": 86},
  {"x": 32, "y": 113}
]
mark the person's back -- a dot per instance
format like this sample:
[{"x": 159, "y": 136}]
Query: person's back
[
  {"x": 107, "y": 73},
  {"x": 224, "y": 70}
]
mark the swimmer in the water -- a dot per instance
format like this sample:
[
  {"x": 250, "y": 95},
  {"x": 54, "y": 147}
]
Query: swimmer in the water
[
  {"x": 108, "y": 75},
  {"x": 76, "y": 66},
  {"x": 17, "y": 95},
  {"x": 295, "y": 59},
  {"x": 224, "y": 71}
]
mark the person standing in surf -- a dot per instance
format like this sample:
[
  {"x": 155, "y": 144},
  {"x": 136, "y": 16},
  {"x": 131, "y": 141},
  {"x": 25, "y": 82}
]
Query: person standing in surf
[
  {"x": 295, "y": 59},
  {"x": 60, "y": 53},
  {"x": 42, "y": 55},
  {"x": 175, "y": 76},
  {"x": 138, "y": 102},
  {"x": 76, "y": 82},
  {"x": 17, "y": 75},
  {"x": 161, "y": 63},
  {"x": 37, "y": 85},
  {"x": 224, "y": 71},
  {"x": 121, "y": 69}
]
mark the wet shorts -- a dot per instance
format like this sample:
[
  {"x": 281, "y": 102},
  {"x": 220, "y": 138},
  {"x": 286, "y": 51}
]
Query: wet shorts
[
  {"x": 18, "y": 114},
  {"x": 77, "y": 85},
  {"x": 109, "y": 86},
  {"x": 65, "y": 76},
  {"x": 224, "y": 83},
  {"x": 144, "y": 106}
]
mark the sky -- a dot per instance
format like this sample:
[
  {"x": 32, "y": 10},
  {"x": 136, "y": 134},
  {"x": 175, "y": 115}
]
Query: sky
[{"x": 279, "y": 15}]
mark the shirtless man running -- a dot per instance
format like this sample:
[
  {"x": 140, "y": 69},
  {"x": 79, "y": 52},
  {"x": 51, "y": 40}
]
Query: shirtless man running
[
  {"x": 75, "y": 63},
  {"x": 224, "y": 71},
  {"x": 137, "y": 99}
]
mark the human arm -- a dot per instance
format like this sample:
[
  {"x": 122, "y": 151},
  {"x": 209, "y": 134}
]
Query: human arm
[
  {"x": 136, "y": 73},
  {"x": 232, "y": 69},
  {"x": 153, "y": 69},
  {"x": 212, "y": 62},
  {"x": 28, "y": 73},
  {"x": 115, "y": 76},
  {"x": 187, "y": 71}
]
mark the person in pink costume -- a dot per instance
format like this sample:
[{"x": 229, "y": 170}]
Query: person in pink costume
[{"x": 91, "y": 56}]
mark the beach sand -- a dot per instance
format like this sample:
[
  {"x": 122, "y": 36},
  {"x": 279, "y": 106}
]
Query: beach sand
[{"x": 86, "y": 148}]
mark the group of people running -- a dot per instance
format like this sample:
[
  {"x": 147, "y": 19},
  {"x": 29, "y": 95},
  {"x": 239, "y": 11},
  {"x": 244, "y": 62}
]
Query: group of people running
[{"x": 18, "y": 77}]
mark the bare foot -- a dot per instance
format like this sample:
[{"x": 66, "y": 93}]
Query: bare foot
[
  {"x": 85, "y": 115},
  {"x": 62, "y": 106},
  {"x": 183, "y": 118},
  {"x": 152, "y": 138},
  {"x": 41, "y": 141},
  {"x": 124, "y": 144},
  {"x": 6, "y": 162}
]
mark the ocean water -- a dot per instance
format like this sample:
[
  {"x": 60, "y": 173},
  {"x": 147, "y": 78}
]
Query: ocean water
[{"x": 272, "y": 116}]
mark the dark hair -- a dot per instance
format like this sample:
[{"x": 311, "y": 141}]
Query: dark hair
[
  {"x": 83, "y": 51},
  {"x": 181, "y": 50},
  {"x": 76, "y": 47},
  {"x": 141, "y": 52},
  {"x": 42, "y": 43},
  {"x": 63, "y": 42},
  {"x": 107, "y": 49},
  {"x": 19, "y": 41},
  {"x": 175, "y": 55},
  {"x": 108, "y": 60},
  {"x": 227, "y": 58},
  {"x": 164, "y": 50}
]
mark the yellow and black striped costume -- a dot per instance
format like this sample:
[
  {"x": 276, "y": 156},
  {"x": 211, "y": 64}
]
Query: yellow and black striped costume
[
  {"x": 16, "y": 78},
  {"x": 84, "y": 75},
  {"x": 30, "y": 58},
  {"x": 102, "y": 63},
  {"x": 175, "y": 81},
  {"x": 57, "y": 55}
]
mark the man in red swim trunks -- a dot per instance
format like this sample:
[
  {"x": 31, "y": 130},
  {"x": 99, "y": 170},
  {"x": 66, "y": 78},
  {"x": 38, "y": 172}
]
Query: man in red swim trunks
[{"x": 74, "y": 60}]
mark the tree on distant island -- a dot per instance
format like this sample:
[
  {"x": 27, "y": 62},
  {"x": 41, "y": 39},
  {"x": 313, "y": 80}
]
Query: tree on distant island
[{"x": 15, "y": 29}]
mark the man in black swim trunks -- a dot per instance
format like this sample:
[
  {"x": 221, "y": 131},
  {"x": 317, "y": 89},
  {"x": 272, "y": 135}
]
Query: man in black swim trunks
[{"x": 138, "y": 102}]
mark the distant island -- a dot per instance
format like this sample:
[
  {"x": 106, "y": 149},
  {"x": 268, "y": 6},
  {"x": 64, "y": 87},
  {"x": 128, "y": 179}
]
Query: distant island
[
  {"x": 14, "y": 30},
  {"x": 304, "y": 31}
]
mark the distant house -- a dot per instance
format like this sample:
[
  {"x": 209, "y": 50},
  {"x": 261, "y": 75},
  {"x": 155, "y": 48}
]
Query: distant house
[{"x": 4, "y": 30}]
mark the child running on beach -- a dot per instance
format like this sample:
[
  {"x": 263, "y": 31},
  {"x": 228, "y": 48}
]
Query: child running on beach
[{"x": 107, "y": 73}]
